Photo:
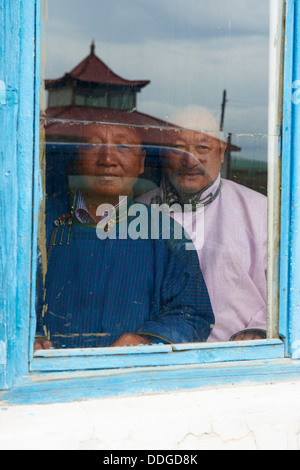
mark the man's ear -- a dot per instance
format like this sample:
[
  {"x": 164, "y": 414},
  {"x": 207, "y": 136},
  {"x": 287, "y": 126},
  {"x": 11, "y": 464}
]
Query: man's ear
[
  {"x": 143, "y": 157},
  {"x": 223, "y": 147}
]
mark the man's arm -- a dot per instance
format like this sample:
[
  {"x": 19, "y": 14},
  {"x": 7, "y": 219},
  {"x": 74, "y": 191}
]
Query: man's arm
[
  {"x": 249, "y": 335},
  {"x": 131, "y": 340},
  {"x": 185, "y": 313}
]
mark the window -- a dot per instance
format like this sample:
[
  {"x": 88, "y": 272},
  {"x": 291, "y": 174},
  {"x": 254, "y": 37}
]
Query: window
[
  {"x": 167, "y": 361},
  {"x": 184, "y": 148},
  {"x": 59, "y": 98}
]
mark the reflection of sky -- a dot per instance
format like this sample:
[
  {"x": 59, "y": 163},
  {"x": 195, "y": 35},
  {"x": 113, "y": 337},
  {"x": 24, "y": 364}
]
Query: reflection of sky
[{"x": 191, "y": 50}]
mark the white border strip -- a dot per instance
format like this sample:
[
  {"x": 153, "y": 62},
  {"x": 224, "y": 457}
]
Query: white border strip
[{"x": 277, "y": 11}]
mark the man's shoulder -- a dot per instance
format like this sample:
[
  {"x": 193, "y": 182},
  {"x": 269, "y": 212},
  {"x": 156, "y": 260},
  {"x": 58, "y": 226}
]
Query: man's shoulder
[{"x": 247, "y": 195}]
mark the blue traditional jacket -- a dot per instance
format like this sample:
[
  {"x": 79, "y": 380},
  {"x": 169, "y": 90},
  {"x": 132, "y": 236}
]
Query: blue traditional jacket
[{"x": 97, "y": 290}]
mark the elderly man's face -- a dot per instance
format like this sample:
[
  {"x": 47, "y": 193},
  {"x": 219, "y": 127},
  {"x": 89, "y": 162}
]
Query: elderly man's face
[
  {"x": 112, "y": 161},
  {"x": 194, "y": 162}
]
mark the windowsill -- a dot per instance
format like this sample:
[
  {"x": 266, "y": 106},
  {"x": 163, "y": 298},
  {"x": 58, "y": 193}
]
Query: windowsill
[
  {"x": 157, "y": 356},
  {"x": 62, "y": 387}
]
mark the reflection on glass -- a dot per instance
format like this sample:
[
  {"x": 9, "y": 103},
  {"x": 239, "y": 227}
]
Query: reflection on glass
[{"x": 130, "y": 163}]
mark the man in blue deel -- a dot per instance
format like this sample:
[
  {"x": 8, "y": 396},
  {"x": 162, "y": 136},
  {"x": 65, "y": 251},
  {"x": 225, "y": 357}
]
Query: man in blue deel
[{"x": 120, "y": 290}]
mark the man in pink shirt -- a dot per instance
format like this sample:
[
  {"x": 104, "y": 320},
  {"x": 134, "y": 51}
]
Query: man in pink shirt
[{"x": 231, "y": 227}]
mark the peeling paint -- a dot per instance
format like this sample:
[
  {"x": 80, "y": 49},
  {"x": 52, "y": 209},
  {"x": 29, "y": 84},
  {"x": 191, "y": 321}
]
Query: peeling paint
[
  {"x": 296, "y": 349},
  {"x": 2, "y": 93},
  {"x": 3, "y": 355}
]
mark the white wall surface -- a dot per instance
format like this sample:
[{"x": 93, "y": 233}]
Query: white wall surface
[{"x": 247, "y": 418}]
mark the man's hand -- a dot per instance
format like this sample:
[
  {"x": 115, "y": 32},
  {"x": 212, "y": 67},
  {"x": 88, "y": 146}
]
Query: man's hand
[
  {"x": 248, "y": 337},
  {"x": 42, "y": 343},
  {"x": 130, "y": 340}
]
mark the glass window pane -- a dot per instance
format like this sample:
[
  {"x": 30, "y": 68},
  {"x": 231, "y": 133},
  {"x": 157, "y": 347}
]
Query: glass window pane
[
  {"x": 168, "y": 131},
  {"x": 60, "y": 97},
  {"x": 80, "y": 100}
]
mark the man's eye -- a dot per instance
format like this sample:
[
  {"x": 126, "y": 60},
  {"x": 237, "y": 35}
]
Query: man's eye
[
  {"x": 123, "y": 147},
  {"x": 92, "y": 147},
  {"x": 203, "y": 149},
  {"x": 179, "y": 147}
]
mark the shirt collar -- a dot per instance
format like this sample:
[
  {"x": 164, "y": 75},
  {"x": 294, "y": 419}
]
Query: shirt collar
[
  {"x": 204, "y": 197},
  {"x": 84, "y": 217},
  {"x": 81, "y": 211}
]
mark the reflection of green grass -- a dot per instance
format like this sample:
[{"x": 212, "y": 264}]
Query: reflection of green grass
[
  {"x": 250, "y": 173},
  {"x": 245, "y": 164}
]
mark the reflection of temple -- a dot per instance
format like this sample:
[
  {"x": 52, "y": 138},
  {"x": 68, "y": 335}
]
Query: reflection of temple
[{"x": 92, "y": 92}]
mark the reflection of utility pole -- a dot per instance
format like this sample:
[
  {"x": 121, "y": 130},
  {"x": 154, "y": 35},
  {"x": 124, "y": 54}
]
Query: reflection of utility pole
[
  {"x": 227, "y": 166},
  {"x": 223, "y": 110}
]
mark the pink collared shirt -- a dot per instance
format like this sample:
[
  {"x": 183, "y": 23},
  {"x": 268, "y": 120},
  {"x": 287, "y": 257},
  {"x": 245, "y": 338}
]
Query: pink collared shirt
[{"x": 233, "y": 255}]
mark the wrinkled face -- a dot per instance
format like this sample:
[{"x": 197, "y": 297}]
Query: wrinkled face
[
  {"x": 194, "y": 162},
  {"x": 111, "y": 160}
]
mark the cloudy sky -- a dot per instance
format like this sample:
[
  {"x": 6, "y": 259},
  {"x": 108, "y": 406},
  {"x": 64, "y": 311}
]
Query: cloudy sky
[{"x": 191, "y": 50}]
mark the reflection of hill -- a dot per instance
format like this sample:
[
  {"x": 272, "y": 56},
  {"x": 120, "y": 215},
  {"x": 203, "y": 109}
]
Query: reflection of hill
[{"x": 250, "y": 173}]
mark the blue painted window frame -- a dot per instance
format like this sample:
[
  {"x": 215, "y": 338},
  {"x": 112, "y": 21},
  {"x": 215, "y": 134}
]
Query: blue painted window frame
[{"x": 53, "y": 376}]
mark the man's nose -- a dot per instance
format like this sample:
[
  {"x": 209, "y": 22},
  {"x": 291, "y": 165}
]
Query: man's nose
[
  {"x": 188, "y": 159},
  {"x": 107, "y": 155}
]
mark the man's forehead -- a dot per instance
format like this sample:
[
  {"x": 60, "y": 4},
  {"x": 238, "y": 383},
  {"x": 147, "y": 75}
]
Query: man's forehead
[
  {"x": 194, "y": 137},
  {"x": 117, "y": 132}
]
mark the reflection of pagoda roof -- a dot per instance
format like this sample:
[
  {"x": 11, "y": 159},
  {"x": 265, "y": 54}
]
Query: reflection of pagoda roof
[
  {"x": 66, "y": 121},
  {"x": 93, "y": 71},
  {"x": 67, "y": 124},
  {"x": 82, "y": 113}
]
